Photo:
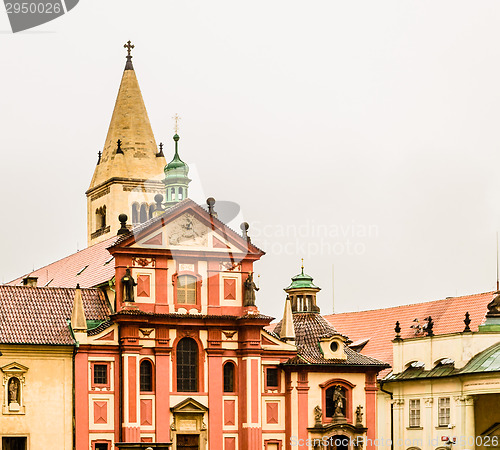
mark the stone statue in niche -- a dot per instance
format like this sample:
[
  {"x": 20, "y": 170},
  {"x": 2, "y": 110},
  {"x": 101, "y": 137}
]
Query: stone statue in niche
[
  {"x": 359, "y": 416},
  {"x": 494, "y": 306},
  {"x": 338, "y": 401},
  {"x": 13, "y": 390},
  {"x": 249, "y": 290},
  {"x": 318, "y": 415},
  {"x": 128, "y": 284}
]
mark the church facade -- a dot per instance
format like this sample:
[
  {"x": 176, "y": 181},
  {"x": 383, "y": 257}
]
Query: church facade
[{"x": 179, "y": 355}]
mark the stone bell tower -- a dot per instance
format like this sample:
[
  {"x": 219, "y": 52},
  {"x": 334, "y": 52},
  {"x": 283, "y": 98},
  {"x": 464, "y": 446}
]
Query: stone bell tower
[{"x": 129, "y": 170}]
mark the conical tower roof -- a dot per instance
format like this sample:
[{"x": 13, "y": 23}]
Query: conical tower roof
[{"x": 138, "y": 158}]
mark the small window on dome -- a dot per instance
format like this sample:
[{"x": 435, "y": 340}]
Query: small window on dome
[
  {"x": 180, "y": 195},
  {"x": 334, "y": 346},
  {"x": 172, "y": 194}
]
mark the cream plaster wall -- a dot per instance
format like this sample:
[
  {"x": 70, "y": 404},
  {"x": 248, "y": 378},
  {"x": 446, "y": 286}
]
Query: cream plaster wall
[{"x": 47, "y": 396}]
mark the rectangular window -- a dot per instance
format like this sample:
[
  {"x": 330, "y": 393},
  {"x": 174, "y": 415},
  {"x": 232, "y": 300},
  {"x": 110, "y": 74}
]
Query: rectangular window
[
  {"x": 272, "y": 378},
  {"x": 13, "y": 443},
  {"x": 101, "y": 374},
  {"x": 186, "y": 290},
  {"x": 444, "y": 411},
  {"x": 415, "y": 413},
  {"x": 101, "y": 446}
]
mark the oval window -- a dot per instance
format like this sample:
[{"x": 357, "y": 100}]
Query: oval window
[{"x": 334, "y": 346}]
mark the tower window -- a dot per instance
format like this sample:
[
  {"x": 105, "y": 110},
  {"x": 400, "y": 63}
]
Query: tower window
[
  {"x": 135, "y": 213},
  {"x": 180, "y": 196},
  {"x": 187, "y": 365},
  {"x": 229, "y": 372},
  {"x": 143, "y": 214},
  {"x": 172, "y": 194},
  {"x": 100, "y": 216},
  {"x": 186, "y": 289},
  {"x": 146, "y": 376}
]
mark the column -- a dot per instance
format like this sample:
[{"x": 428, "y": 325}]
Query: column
[
  {"x": 162, "y": 397},
  {"x": 470, "y": 431},
  {"x": 302, "y": 404},
  {"x": 215, "y": 389},
  {"x": 371, "y": 408}
]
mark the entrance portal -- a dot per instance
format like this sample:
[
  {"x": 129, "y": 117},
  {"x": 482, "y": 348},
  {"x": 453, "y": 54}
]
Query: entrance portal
[{"x": 188, "y": 442}]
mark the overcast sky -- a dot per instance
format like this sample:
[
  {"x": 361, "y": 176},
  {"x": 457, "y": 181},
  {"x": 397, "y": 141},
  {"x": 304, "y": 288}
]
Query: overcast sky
[{"x": 361, "y": 135}]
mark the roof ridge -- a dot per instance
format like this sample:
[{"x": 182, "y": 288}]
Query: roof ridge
[
  {"x": 411, "y": 304},
  {"x": 59, "y": 260}
]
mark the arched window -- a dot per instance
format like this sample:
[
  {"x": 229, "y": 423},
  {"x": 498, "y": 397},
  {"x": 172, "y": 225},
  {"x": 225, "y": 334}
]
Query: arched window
[
  {"x": 143, "y": 214},
  {"x": 151, "y": 210},
  {"x": 187, "y": 365},
  {"x": 180, "y": 195},
  {"x": 172, "y": 194},
  {"x": 146, "y": 376},
  {"x": 229, "y": 373},
  {"x": 334, "y": 395},
  {"x": 100, "y": 218},
  {"x": 135, "y": 213},
  {"x": 103, "y": 217},
  {"x": 186, "y": 289}
]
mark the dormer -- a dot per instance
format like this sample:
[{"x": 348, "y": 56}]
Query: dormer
[{"x": 333, "y": 347}]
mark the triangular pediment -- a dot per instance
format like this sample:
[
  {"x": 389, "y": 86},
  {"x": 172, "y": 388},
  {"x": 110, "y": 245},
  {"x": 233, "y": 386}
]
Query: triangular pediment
[
  {"x": 270, "y": 342},
  {"x": 188, "y": 227},
  {"x": 14, "y": 367},
  {"x": 189, "y": 405}
]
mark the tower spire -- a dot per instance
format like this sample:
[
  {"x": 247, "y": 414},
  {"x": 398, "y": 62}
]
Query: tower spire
[
  {"x": 176, "y": 174},
  {"x": 129, "y": 162},
  {"x": 128, "y": 65}
]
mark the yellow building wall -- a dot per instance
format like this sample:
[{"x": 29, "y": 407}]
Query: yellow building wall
[{"x": 46, "y": 395}]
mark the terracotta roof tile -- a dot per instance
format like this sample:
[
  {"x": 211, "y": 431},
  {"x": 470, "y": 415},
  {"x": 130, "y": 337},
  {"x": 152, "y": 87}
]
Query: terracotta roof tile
[
  {"x": 31, "y": 315},
  {"x": 378, "y": 325},
  {"x": 309, "y": 329},
  {"x": 96, "y": 262}
]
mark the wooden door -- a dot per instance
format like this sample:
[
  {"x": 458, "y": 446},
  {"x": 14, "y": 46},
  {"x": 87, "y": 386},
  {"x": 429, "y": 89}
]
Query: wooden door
[{"x": 188, "y": 442}]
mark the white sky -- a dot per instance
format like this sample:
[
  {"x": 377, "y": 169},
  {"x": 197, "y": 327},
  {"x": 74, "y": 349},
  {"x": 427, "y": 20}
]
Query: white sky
[{"x": 345, "y": 118}]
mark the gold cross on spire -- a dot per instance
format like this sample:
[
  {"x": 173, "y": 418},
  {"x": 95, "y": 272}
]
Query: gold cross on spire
[
  {"x": 302, "y": 267},
  {"x": 176, "y": 119},
  {"x": 129, "y": 46}
]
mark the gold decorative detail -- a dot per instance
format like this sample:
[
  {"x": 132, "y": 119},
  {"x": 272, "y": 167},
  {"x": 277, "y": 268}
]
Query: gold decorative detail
[
  {"x": 176, "y": 119},
  {"x": 229, "y": 334},
  {"x": 146, "y": 332},
  {"x": 144, "y": 262}
]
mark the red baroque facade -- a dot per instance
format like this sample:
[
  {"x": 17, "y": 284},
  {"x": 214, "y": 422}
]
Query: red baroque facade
[{"x": 187, "y": 365}]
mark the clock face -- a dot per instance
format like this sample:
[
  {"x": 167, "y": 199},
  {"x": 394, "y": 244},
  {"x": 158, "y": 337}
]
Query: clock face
[{"x": 188, "y": 231}]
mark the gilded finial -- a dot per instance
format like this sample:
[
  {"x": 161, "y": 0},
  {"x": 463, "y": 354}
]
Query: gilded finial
[
  {"x": 129, "y": 46},
  {"x": 302, "y": 266},
  {"x": 176, "y": 125}
]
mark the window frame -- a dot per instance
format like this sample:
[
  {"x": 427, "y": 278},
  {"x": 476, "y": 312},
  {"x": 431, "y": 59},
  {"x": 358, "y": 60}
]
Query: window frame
[
  {"x": 414, "y": 413},
  {"x": 235, "y": 388},
  {"x": 187, "y": 306},
  {"x": 267, "y": 387},
  {"x": 447, "y": 411},
  {"x": 95, "y": 385},
  {"x": 151, "y": 365},
  {"x": 196, "y": 366}
]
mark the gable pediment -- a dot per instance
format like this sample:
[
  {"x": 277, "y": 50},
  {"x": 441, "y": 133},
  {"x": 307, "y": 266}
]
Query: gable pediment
[
  {"x": 14, "y": 368},
  {"x": 189, "y": 406},
  {"x": 269, "y": 342},
  {"x": 189, "y": 229}
]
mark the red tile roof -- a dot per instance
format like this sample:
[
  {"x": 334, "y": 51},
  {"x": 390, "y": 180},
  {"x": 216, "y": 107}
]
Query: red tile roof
[
  {"x": 377, "y": 325},
  {"x": 96, "y": 262},
  {"x": 309, "y": 329},
  {"x": 30, "y": 315}
]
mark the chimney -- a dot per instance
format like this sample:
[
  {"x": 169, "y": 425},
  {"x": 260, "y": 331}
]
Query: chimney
[{"x": 30, "y": 281}]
